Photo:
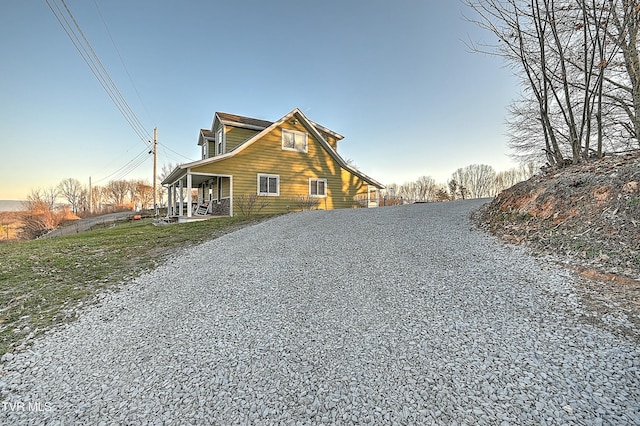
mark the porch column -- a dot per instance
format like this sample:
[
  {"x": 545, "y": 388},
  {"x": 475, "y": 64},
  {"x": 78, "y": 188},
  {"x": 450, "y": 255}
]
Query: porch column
[
  {"x": 231, "y": 196},
  {"x": 178, "y": 194},
  {"x": 176, "y": 200},
  {"x": 174, "y": 204},
  {"x": 169, "y": 200},
  {"x": 181, "y": 201},
  {"x": 189, "y": 189}
]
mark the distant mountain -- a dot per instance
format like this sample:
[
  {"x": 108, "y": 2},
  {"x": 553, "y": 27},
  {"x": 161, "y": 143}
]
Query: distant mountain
[{"x": 10, "y": 205}]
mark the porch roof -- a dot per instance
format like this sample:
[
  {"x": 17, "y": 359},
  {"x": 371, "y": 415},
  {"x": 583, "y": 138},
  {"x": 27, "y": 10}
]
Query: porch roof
[{"x": 180, "y": 174}]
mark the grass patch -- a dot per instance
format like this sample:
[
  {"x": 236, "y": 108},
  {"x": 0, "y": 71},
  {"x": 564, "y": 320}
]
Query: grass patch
[{"x": 42, "y": 282}]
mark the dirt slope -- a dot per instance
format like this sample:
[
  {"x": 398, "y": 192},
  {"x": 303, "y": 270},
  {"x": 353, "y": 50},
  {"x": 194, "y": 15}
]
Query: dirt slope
[
  {"x": 589, "y": 214},
  {"x": 585, "y": 216}
]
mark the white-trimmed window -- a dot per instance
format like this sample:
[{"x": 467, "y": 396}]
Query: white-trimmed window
[
  {"x": 294, "y": 141},
  {"x": 318, "y": 187},
  {"x": 220, "y": 141},
  {"x": 268, "y": 185}
]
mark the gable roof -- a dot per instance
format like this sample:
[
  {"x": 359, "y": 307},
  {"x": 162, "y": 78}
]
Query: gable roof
[
  {"x": 206, "y": 135},
  {"x": 312, "y": 127},
  {"x": 240, "y": 121},
  {"x": 336, "y": 135}
]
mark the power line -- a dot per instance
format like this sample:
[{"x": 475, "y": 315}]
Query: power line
[
  {"x": 88, "y": 54},
  {"x": 71, "y": 27},
  {"x": 175, "y": 152},
  {"x": 121, "y": 60},
  {"x": 129, "y": 167}
]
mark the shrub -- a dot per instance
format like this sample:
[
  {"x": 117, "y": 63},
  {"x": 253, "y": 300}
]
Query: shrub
[
  {"x": 250, "y": 204},
  {"x": 306, "y": 202}
]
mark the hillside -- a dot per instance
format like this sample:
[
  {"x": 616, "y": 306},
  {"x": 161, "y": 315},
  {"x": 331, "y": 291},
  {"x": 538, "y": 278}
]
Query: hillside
[
  {"x": 585, "y": 216},
  {"x": 11, "y": 205}
]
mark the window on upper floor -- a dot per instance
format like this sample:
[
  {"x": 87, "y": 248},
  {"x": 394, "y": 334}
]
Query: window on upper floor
[
  {"x": 294, "y": 141},
  {"x": 268, "y": 185},
  {"x": 220, "y": 141},
  {"x": 318, "y": 187},
  {"x": 205, "y": 149}
]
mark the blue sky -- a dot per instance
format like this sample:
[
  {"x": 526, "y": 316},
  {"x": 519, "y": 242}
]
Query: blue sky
[{"x": 394, "y": 77}]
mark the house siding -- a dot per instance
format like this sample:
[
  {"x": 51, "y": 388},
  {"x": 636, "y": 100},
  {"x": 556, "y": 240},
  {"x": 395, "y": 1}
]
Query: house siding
[
  {"x": 332, "y": 141},
  {"x": 214, "y": 189},
  {"x": 235, "y": 136},
  {"x": 226, "y": 187},
  {"x": 266, "y": 156}
]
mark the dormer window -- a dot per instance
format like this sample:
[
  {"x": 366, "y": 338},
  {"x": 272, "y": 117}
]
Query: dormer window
[
  {"x": 294, "y": 141},
  {"x": 220, "y": 142}
]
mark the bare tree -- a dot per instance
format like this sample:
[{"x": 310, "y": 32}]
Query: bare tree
[
  {"x": 97, "y": 198},
  {"x": 116, "y": 191},
  {"x": 71, "y": 189},
  {"x": 408, "y": 191},
  {"x": 508, "y": 178},
  {"x": 565, "y": 53},
  {"x": 83, "y": 202},
  {"x": 474, "y": 181},
  {"x": 426, "y": 188},
  {"x": 144, "y": 194},
  {"x": 164, "y": 173},
  {"x": 40, "y": 216},
  {"x": 140, "y": 193},
  {"x": 442, "y": 194},
  {"x": 49, "y": 196},
  {"x": 522, "y": 34},
  {"x": 452, "y": 185},
  {"x": 623, "y": 30}
]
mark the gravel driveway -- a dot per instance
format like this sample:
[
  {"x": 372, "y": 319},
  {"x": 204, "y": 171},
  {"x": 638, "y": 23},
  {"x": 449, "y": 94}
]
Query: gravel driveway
[{"x": 397, "y": 315}]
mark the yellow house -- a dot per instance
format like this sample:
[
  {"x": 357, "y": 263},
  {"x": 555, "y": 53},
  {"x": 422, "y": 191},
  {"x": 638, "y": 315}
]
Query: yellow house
[{"x": 256, "y": 166}]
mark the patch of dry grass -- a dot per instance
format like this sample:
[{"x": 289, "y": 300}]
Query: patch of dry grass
[{"x": 43, "y": 282}]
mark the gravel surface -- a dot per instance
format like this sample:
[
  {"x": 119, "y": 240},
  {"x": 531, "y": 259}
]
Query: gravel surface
[
  {"x": 88, "y": 223},
  {"x": 398, "y": 315}
]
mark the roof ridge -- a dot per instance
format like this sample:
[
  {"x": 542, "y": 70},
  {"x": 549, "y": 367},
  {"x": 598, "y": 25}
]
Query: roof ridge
[{"x": 242, "y": 119}]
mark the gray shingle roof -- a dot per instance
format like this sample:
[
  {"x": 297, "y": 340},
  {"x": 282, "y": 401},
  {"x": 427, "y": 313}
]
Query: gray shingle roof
[
  {"x": 207, "y": 133},
  {"x": 243, "y": 121}
]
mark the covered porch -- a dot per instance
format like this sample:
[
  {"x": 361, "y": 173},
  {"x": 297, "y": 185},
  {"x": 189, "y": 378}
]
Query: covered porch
[
  {"x": 198, "y": 196},
  {"x": 370, "y": 199}
]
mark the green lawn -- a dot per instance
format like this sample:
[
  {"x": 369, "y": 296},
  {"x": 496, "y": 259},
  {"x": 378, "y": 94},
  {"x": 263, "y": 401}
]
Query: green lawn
[{"x": 42, "y": 282}]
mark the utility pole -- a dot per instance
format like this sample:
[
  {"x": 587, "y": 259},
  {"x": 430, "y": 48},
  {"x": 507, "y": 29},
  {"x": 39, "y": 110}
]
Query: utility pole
[
  {"x": 155, "y": 169},
  {"x": 90, "y": 197}
]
